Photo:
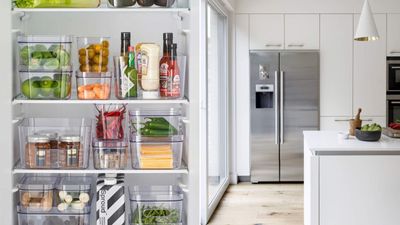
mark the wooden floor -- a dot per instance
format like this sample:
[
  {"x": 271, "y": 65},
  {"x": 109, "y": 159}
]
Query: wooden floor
[{"x": 260, "y": 204}]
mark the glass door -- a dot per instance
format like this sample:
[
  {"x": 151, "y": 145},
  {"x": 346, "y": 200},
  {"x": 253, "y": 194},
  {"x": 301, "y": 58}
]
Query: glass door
[{"x": 217, "y": 173}]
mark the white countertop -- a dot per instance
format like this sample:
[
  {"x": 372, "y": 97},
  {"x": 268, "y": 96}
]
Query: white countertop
[{"x": 328, "y": 143}]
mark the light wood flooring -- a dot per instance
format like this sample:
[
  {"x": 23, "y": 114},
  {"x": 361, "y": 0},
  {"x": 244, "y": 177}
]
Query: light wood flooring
[{"x": 260, "y": 204}]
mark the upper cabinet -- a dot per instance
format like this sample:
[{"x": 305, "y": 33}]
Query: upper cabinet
[
  {"x": 393, "y": 31},
  {"x": 266, "y": 32},
  {"x": 369, "y": 88},
  {"x": 278, "y": 31},
  {"x": 302, "y": 31}
]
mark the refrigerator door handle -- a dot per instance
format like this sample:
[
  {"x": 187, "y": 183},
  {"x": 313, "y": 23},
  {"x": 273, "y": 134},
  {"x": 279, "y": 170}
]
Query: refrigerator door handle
[
  {"x": 281, "y": 108},
  {"x": 276, "y": 100}
]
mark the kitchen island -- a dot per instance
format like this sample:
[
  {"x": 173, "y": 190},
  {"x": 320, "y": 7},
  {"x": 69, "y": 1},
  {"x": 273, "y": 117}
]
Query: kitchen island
[{"x": 350, "y": 182}]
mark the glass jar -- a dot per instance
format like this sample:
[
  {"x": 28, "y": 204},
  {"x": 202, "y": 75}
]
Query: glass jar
[
  {"x": 37, "y": 152},
  {"x": 53, "y": 136},
  {"x": 70, "y": 151}
]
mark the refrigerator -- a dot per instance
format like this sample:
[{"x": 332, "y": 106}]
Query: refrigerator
[{"x": 284, "y": 101}]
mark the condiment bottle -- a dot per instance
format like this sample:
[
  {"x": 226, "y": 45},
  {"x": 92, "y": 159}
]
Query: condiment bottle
[
  {"x": 125, "y": 43},
  {"x": 131, "y": 73},
  {"x": 150, "y": 70},
  {"x": 164, "y": 63},
  {"x": 174, "y": 77}
]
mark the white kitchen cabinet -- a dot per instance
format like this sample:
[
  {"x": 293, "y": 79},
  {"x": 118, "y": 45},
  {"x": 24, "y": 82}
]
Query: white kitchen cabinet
[
  {"x": 359, "y": 190},
  {"x": 393, "y": 34},
  {"x": 369, "y": 88},
  {"x": 266, "y": 32},
  {"x": 301, "y": 31},
  {"x": 335, "y": 123},
  {"x": 336, "y": 58}
]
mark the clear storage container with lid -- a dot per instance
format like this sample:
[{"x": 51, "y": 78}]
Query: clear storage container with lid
[
  {"x": 58, "y": 4},
  {"x": 36, "y": 193},
  {"x": 54, "y": 143},
  {"x": 156, "y": 205},
  {"x": 74, "y": 194},
  {"x": 157, "y": 153},
  {"x": 44, "y": 53},
  {"x": 110, "y": 154},
  {"x": 53, "y": 217},
  {"x": 93, "y": 86}
]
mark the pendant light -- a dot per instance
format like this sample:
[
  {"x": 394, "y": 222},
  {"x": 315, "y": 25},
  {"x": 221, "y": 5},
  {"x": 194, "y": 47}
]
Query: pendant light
[{"x": 366, "y": 29}]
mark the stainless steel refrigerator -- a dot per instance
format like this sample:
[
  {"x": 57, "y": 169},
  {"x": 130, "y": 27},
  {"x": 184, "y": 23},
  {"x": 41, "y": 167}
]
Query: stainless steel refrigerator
[{"x": 284, "y": 95}]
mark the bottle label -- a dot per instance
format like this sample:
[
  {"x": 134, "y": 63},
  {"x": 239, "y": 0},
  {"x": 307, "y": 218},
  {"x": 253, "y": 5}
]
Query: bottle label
[
  {"x": 126, "y": 83},
  {"x": 145, "y": 64},
  {"x": 164, "y": 79},
  {"x": 176, "y": 85}
]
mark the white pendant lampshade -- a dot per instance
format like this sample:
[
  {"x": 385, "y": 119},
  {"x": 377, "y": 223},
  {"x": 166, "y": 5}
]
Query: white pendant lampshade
[{"x": 366, "y": 29}]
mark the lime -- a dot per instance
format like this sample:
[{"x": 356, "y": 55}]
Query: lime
[
  {"x": 46, "y": 82},
  {"x": 29, "y": 90}
]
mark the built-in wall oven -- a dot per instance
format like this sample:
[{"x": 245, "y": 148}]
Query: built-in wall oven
[{"x": 393, "y": 89}]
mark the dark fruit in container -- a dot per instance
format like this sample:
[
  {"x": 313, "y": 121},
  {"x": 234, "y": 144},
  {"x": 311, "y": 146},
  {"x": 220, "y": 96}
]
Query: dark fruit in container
[
  {"x": 145, "y": 3},
  {"x": 164, "y": 3}
]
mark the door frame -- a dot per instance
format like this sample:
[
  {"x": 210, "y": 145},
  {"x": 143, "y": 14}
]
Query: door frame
[{"x": 208, "y": 209}]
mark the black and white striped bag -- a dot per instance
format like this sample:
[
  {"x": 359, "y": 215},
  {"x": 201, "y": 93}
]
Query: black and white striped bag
[{"x": 110, "y": 205}]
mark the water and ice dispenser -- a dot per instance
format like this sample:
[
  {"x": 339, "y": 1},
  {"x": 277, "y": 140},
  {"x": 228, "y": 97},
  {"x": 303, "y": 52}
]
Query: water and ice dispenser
[{"x": 264, "y": 96}]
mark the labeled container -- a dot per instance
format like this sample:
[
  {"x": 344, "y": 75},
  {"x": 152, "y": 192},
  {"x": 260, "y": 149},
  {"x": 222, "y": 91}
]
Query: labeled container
[
  {"x": 157, "y": 153},
  {"x": 156, "y": 205},
  {"x": 93, "y": 86},
  {"x": 173, "y": 85},
  {"x": 44, "y": 53},
  {"x": 125, "y": 79},
  {"x": 73, "y": 194},
  {"x": 57, "y": 4},
  {"x": 110, "y": 121},
  {"x": 45, "y": 85},
  {"x": 53, "y": 218},
  {"x": 110, "y": 154},
  {"x": 94, "y": 54},
  {"x": 36, "y": 193},
  {"x": 54, "y": 143},
  {"x": 150, "y": 70},
  {"x": 155, "y": 123}
]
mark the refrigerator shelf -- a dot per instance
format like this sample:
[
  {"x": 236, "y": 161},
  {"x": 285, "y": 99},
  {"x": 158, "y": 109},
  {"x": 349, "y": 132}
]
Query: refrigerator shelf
[
  {"x": 19, "y": 99},
  {"x": 103, "y": 8}
]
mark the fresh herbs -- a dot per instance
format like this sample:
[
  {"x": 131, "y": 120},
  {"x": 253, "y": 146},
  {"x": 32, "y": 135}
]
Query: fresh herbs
[{"x": 151, "y": 215}]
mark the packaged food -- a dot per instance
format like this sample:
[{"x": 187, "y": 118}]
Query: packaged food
[
  {"x": 157, "y": 153},
  {"x": 57, "y": 4},
  {"x": 44, "y": 53},
  {"x": 93, "y": 86},
  {"x": 36, "y": 193},
  {"x": 111, "y": 196},
  {"x": 110, "y": 121},
  {"x": 110, "y": 154},
  {"x": 73, "y": 194},
  {"x": 54, "y": 143},
  {"x": 156, "y": 205},
  {"x": 93, "y": 53}
]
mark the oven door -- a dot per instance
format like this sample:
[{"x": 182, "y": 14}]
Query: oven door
[
  {"x": 393, "y": 78},
  {"x": 393, "y": 110}
]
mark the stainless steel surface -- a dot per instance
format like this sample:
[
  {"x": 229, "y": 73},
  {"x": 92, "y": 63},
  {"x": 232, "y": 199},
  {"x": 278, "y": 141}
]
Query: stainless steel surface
[
  {"x": 392, "y": 97},
  {"x": 263, "y": 126},
  {"x": 395, "y": 102},
  {"x": 281, "y": 108},
  {"x": 295, "y": 109},
  {"x": 396, "y": 67},
  {"x": 276, "y": 111},
  {"x": 264, "y": 88},
  {"x": 391, "y": 61},
  {"x": 301, "y": 103},
  {"x": 263, "y": 73}
]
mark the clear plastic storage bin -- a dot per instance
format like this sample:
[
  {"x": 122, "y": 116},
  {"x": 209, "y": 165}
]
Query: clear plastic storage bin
[
  {"x": 94, "y": 54},
  {"x": 110, "y": 121},
  {"x": 44, "y": 53},
  {"x": 73, "y": 193},
  {"x": 110, "y": 154},
  {"x": 156, "y": 205},
  {"x": 46, "y": 85},
  {"x": 157, "y": 153},
  {"x": 155, "y": 123},
  {"x": 57, "y": 4},
  {"x": 93, "y": 86},
  {"x": 51, "y": 143},
  {"x": 36, "y": 193},
  {"x": 53, "y": 217}
]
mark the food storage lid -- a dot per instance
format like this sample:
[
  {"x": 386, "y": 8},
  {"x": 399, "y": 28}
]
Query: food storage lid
[
  {"x": 70, "y": 138},
  {"x": 93, "y": 75},
  {"x": 38, "y": 139},
  {"x": 50, "y": 134},
  {"x": 37, "y": 183},
  {"x": 53, "y": 212},
  {"x": 148, "y": 112},
  {"x": 99, "y": 143},
  {"x": 150, "y": 193},
  {"x": 49, "y": 39},
  {"x": 159, "y": 140},
  {"x": 75, "y": 183}
]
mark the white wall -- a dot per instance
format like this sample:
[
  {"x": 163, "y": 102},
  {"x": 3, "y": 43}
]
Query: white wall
[{"x": 314, "y": 6}]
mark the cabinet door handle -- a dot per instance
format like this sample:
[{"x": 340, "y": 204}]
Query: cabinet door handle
[
  {"x": 342, "y": 120},
  {"x": 296, "y": 45},
  {"x": 395, "y": 102},
  {"x": 395, "y": 52},
  {"x": 368, "y": 120},
  {"x": 273, "y": 45},
  {"x": 395, "y": 67}
]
